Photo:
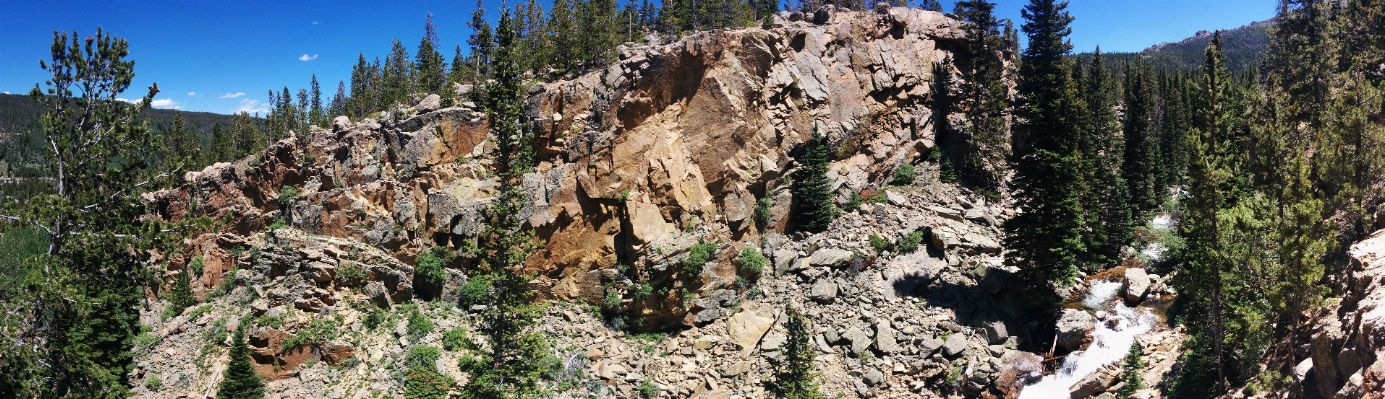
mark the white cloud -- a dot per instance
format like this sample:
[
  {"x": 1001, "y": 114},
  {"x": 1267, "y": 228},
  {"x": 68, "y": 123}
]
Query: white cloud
[
  {"x": 314, "y": 22},
  {"x": 251, "y": 107},
  {"x": 6, "y": 92},
  {"x": 305, "y": 57},
  {"x": 125, "y": 100},
  {"x": 233, "y": 95},
  {"x": 166, "y": 104},
  {"x": 192, "y": 94}
]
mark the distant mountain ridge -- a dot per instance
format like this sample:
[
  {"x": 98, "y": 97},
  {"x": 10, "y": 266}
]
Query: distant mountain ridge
[
  {"x": 19, "y": 113},
  {"x": 1245, "y": 48}
]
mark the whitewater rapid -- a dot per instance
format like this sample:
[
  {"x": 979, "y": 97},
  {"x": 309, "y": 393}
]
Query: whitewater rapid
[{"x": 1109, "y": 344}]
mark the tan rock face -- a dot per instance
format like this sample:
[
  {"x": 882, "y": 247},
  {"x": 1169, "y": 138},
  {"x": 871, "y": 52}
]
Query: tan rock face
[{"x": 637, "y": 161}]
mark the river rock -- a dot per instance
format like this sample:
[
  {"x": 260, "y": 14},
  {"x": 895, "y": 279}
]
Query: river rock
[
  {"x": 1094, "y": 383},
  {"x": 1073, "y": 327},
  {"x": 1136, "y": 285}
]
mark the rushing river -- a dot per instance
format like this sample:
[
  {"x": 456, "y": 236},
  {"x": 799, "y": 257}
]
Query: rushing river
[{"x": 1109, "y": 344}]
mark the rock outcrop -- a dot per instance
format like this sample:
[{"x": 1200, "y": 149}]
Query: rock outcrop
[
  {"x": 666, "y": 150},
  {"x": 1348, "y": 337}
]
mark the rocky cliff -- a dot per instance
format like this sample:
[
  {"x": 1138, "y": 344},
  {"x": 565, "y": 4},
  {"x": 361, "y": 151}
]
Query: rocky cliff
[
  {"x": 672, "y": 144},
  {"x": 668, "y": 148}
]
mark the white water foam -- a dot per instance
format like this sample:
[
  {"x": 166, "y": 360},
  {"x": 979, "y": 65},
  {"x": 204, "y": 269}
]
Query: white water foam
[{"x": 1109, "y": 344}]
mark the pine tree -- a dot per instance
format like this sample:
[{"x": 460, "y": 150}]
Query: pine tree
[
  {"x": 240, "y": 381},
  {"x": 398, "y": 76},
  {"x": 181, "y": 297},
  {"x": 245, "y": 136},
  {"x": 432, "y": 71},
  {"x": 1046, "y": 235},
  {"x": 482, "y": 44},
  {"x": 1107, "y": 200},
  {"x": 812, "y": 189},
  {"x": 70, "y": 329},
  {"x": 339, "y": 100},
  {"x": 362, "y": 96},
  {"x": 1200, "y": 280},
  {"x": 508, "y": 367},
  {"x": 316, "y": 114},
  {"x": 1140, "y": 167},
  {"x": 986, "y": 94},
  {"x": 931, "y": 5},
  {"x": 181, "y": 143},
  {"x": 794, "y": 375},
  {"x": 1130, "y": 372}
]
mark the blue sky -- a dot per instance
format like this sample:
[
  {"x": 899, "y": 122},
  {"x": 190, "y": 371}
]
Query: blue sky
[{"x": 224, "y": 56}]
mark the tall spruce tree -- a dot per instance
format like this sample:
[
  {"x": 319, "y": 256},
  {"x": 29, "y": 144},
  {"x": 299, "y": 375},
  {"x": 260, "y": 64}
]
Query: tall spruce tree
[
  {"x": 1209, "y": 173},
  {"x": 432, "y": 71},
  {"x": 240, "y": 381},
  {"x": 398, "y": 76},
  {"x": 812, "y": 189},
  {"x": 794, "y": 373},
  {"x": 482, "y": 43},
  {"x": 509, "y": 365},
  {"x": 1140, "y": 167},
  {"x": 986, "y": 95},
  {"x": 316, "y": 115},
  {"x": 1107, "y": 200},
  {"x": 1046, "y": 236}
]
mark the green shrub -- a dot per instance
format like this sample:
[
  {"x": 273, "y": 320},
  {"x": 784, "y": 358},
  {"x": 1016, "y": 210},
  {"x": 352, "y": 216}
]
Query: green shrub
[
  {"x": 904, "y": 175},
  {"x": 426, "y": 383},
  {"x": 762, "y": 211},
  {"x": 698, "y": 256},
  {"x": 320, "y": 329},
  {"x": 640, "y": 291},
  {"x": 376, "y": 318},
  {"x": 687, "y": 297},
  {"x": 419, "y": 325},
  {"x": 425, "y": 356},
  {"x": 752, "y": 260},
  {"x": 145, "y": 338},
  {"x": 476, "y": 291},
  {"x": 649, "y": 342},
  {"x": 878, "y": 197},
  {"x": 279, "y": 224},
  {"x": 432, "y": 265},
  {"x": 612, "y": 299},
  {"x": 879, "y": 243},
  {"x": 153, "y": 382},
  {"x": 853, "y": 202},
  {"x": 195, "y": 265},
  {"x": 454, "y": 339},
  {"x": 648, "y": 390},
  {"x": 910, "y": 242},
  {"x": 351, "y": 275},
  {"x": 286, "y": 195},
  {"x": 227, "y": 284}
]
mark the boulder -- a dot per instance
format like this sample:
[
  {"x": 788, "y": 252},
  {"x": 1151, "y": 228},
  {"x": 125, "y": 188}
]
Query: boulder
[
  {"x": 1095, "y": 383},
  {"x": 996, "y": 332},
  {"x": 859, "y": 339},
  {"x": 954, "y": 346},
  {"x": 823, "y": 291},
  {"x": 1073, "y": 327},
  {"x": 831, "y": 257},
  {"x": 1137, "y": 285},
  {"x": 746, "y": 328},
  {"x": 884, "y": 338}
]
